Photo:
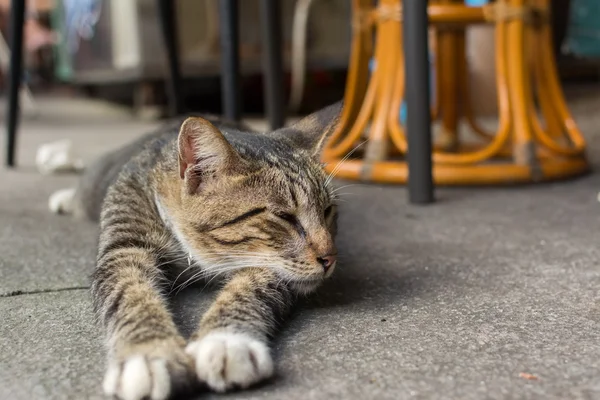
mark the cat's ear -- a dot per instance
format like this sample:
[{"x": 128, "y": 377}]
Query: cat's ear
[
  {"x": 312, "y": 131},
  {"x": 203, "y": 152}
]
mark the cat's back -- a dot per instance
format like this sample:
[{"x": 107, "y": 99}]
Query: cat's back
[{"x": 98, "y": 177}]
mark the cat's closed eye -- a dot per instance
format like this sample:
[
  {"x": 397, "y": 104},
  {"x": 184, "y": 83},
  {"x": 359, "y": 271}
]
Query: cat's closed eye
[
  {"x": 292, "y": 220},
  {"x": 328, "y": 211},
  {"x": 287, "y": 217}
]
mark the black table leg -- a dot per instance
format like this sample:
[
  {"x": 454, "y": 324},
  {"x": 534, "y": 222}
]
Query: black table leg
[
  {"x": 420, "y": 181},
  {"x": 166, "y": 10},
  {"x": 17, "y": 19},
  {"x": 230, "y": 59},
  {"x": 272, "y": 58}
]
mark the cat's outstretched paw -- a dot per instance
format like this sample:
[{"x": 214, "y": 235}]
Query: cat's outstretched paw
[
  {"x": 230, "y": 360},
  {"x": 61, "y": 201},
  {"x": 148, "y": 377},
  {"x": 57, "y": 157}
]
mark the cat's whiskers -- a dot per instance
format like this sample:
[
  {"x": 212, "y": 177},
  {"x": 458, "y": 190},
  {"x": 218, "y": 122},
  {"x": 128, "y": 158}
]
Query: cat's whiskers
[
  {"x": 337, "y": 189},
  {"x": 171, "y": 261},
  {"x": 224, "y": 267},
  {"x": 221, "y": 272},
  {"x": 344, "y": 194},
  {"x": 338, "y": 196},
  {"x": 217, "y": 265},
  {"x": 204, "y": 274},
  {"x": 236, "y": 252},
  {"x": 190, "y": 281},
  {"x": 337, "y": 200},
  {"x": 191, "y": 265},
  {"x": 341, "y": 162}
]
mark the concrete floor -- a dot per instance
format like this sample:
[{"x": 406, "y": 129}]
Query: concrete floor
[{"x": 449, "y": 301}]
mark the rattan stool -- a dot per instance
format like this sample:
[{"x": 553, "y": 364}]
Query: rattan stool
[{"x": 536, "y": 140}]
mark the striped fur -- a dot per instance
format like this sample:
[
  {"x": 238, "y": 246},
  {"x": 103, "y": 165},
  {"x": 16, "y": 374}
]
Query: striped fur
[{"x": 206, "y": 202}]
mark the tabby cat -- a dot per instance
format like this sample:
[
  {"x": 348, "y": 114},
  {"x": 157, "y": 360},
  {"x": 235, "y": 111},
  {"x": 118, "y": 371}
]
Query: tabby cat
[{"x": 207, "y": 200}]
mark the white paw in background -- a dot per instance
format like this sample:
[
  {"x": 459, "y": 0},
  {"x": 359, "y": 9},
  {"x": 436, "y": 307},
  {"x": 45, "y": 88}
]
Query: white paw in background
[
  {"x": 57, "y": 157},
  {"x": 61, "y": 201},
  {"x": 228, "y": 360},
  {"x": 138, "y": 378}
]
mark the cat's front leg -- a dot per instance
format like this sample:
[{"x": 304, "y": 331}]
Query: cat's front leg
[
  {"x": 230, "y": 348},
  {"x": 146, "y": 357}
]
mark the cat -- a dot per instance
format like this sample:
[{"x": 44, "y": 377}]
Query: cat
[{"x": 213, "y": 200}]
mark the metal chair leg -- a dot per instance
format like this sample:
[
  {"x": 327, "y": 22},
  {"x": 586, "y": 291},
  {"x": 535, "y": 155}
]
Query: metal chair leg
[
  {"x": 169, "y": 27},
  {"x": 26, "y": 95},
  {"x": 420, "y": 179},
  {"x": 17, "y": 20},
  {"x": 230, "y": 59},
  {"x": 272, "y": 58}
]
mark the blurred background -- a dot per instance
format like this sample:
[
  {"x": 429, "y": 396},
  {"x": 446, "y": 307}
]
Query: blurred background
[{"x": 113, "y": 50}]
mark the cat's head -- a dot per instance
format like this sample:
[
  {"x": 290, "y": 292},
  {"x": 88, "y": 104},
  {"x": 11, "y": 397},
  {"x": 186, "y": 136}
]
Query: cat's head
[{"x": 259, "y": 200}]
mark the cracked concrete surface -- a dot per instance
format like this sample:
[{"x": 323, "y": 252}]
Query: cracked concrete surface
[{"x": 450, "y": 301}]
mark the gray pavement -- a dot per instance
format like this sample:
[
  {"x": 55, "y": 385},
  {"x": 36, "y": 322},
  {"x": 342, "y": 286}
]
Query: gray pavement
[{"x": 449, "y": 301}]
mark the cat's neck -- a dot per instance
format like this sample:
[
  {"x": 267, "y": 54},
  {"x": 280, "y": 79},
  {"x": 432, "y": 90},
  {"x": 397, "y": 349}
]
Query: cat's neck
[
  {"x": 168, "y": 190},
  {"x": 167, "y": 195}
]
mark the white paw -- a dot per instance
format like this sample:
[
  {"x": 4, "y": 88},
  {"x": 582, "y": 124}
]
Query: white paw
[
  {"x": 138, "y": 378},
  {"x": 228, "y": 360},
  {"x": 61, "y": 201},
  {"x": 57, "y": 157}
]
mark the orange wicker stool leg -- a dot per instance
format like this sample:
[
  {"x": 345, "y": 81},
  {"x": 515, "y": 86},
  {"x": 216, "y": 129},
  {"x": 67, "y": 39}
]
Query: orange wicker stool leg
[{"x": 448, "y": 41}]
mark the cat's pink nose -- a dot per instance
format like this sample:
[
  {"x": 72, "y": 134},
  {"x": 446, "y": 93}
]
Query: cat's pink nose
[{"x": 327, "y": 261}]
